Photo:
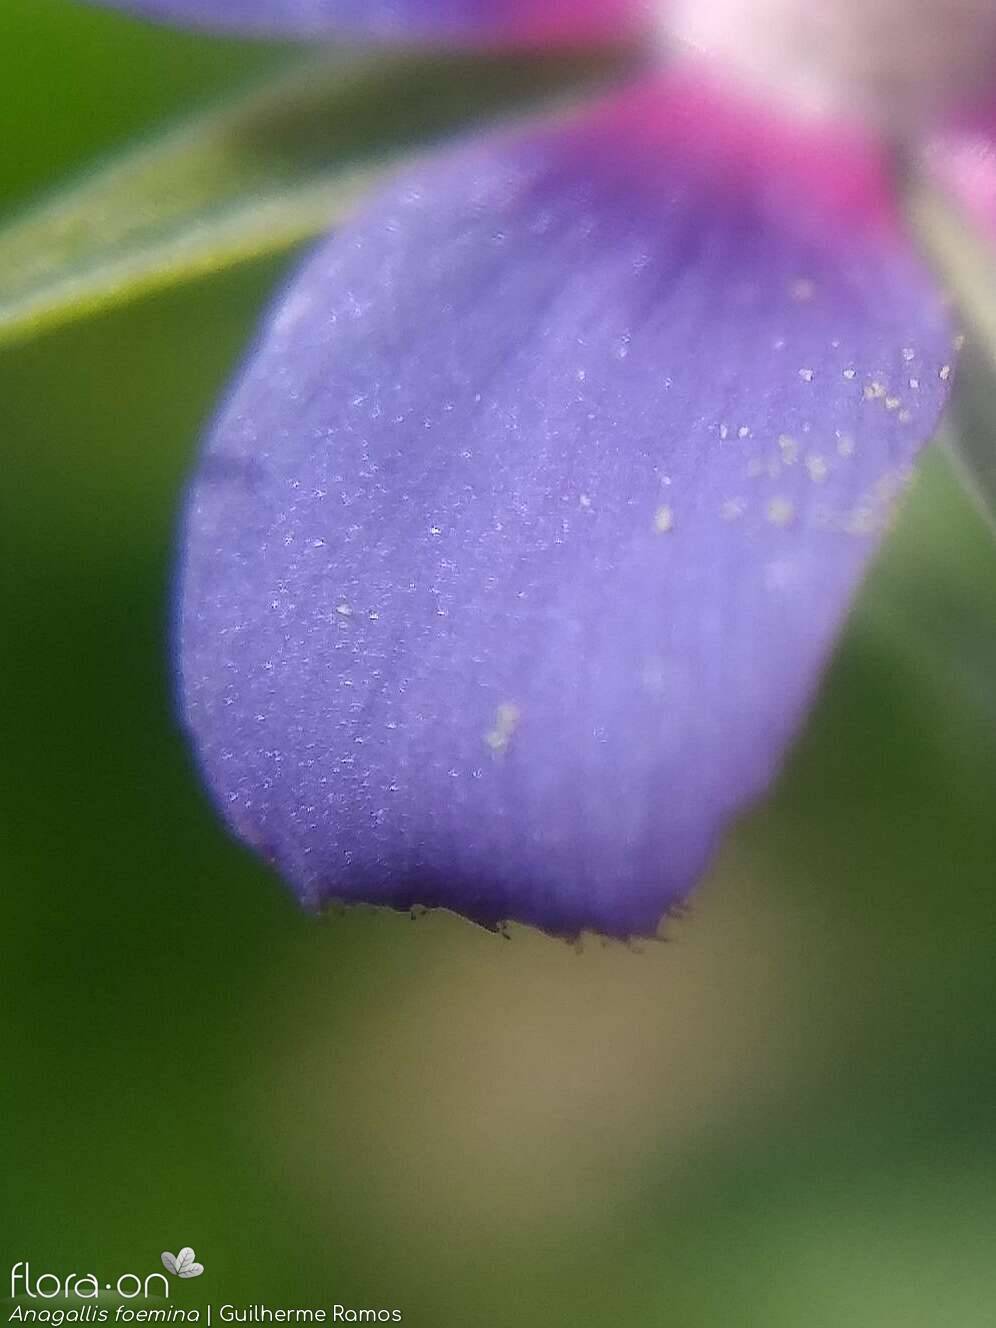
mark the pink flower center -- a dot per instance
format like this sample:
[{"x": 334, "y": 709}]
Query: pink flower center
[{"x": 895, "y": 63}]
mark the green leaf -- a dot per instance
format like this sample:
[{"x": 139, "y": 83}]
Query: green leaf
[
  {"x": 966, "y": 265},
  {"x": 254, "y": 176}
]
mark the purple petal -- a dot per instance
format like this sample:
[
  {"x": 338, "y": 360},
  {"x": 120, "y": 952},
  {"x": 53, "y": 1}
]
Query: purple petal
[
  {"x": 476, "y": 22},
  {"x": 516, "y": 556}
]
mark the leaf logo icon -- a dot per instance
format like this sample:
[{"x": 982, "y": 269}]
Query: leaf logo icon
[{"x": 183, "y": 1264}]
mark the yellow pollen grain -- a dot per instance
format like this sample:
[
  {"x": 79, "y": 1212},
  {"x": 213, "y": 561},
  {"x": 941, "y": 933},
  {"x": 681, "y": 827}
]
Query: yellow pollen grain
[
  {"x": 663, "y": 520},
  {"x": 807, "y": 375},
  {"x": 945, "y": 373},
  {"x": 508, "y": 716},
  {"x": 874, "y": 391},
  {"x": 850, "y": 374},
  {"x": 780, "y": 512}
]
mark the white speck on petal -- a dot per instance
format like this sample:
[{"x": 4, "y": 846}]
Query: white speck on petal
[
  {"x": 817, "y": 467},
  {"x": 845, "y": 445},
  {"x": 780, "y": 511},
  {"x": 789, "y": 449},
  {"x": 663, "y": 520}
]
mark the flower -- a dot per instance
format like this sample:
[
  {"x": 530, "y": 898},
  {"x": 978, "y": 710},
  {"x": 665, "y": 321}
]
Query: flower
[{"x": 517, "y": 552}]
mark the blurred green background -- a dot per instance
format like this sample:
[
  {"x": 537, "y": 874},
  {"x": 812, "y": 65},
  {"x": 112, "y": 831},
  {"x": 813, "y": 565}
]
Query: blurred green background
[{"x": 784, "y": 1116}]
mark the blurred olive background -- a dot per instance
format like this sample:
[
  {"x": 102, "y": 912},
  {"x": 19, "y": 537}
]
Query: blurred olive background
[{"x": 785, "y": 1115}]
